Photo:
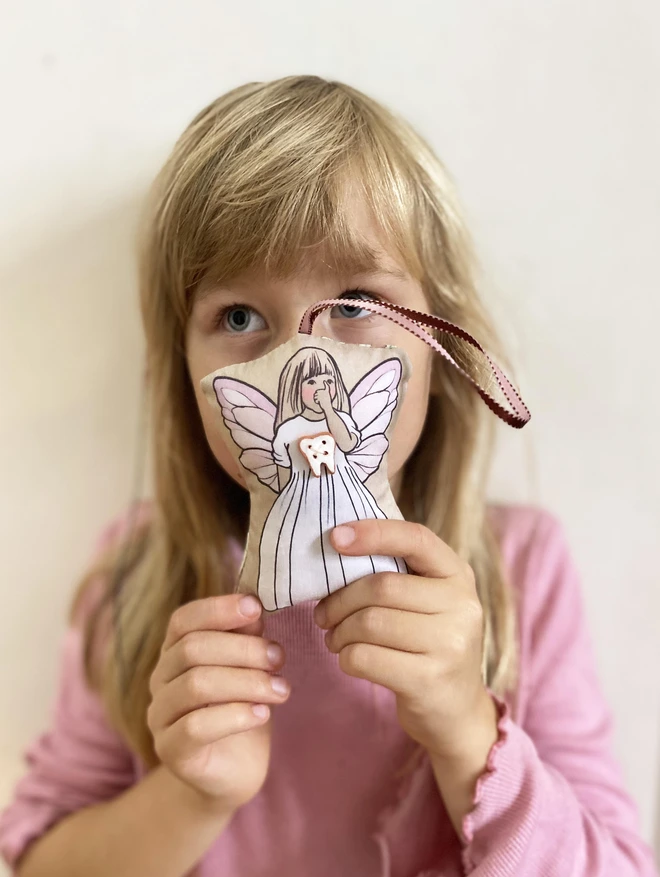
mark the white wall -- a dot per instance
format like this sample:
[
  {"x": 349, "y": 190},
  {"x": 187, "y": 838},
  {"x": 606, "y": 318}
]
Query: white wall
[{"x": 546, "y": 113}]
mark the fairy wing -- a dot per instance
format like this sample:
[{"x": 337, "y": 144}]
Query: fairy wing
[
  {"x": 250, "y": 417},
  {"x": 373, "y": 400}
]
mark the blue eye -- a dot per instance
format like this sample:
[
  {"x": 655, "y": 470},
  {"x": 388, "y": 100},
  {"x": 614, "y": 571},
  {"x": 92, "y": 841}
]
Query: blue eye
[
  {"x": 241, "y": 319},
  {"x": 352, "y": 312}
]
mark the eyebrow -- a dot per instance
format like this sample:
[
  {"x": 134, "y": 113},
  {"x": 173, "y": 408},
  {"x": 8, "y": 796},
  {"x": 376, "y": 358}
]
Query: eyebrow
[
  {"x": 385, "y": 272},
  {"x": 202, "y": 293}
]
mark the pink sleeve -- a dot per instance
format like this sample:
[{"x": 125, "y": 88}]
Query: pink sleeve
[
  {"x": 80, "y": 760},
  {"x": 552, "y": 800}
]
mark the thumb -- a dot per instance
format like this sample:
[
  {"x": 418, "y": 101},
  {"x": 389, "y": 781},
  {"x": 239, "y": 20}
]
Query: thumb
[{"x": 255, "y": 628}]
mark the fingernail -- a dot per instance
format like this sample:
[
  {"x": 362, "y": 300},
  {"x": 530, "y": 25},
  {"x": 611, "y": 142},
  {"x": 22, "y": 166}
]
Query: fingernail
[
  {"x": 343, "y": 536},
  {"x": 320, "y": 614},
  {"x": 274, "y": 653},
  {"x": 249, "y": 606},
  {"x": 279, "y": 685},
  {"x": 260, "y": 710}
]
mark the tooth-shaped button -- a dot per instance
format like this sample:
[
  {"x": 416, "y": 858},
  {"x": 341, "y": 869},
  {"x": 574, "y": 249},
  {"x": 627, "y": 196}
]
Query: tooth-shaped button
[{"x": 319, "y": 450}]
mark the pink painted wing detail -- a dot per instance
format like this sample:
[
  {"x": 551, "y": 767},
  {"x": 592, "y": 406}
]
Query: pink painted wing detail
[
  {"x": 366, "y": 458},
  {"x": 373, "y": 400},
  {"x": 250, "y": 417}
]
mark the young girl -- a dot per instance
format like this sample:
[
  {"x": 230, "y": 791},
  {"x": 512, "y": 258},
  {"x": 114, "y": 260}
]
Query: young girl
[{"x": 439, "y": 721}]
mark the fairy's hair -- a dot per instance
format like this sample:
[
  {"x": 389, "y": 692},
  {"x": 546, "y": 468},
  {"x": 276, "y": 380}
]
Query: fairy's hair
[
  {"x": 308, "y": 362},
  {"x": 257, "y": 180}
]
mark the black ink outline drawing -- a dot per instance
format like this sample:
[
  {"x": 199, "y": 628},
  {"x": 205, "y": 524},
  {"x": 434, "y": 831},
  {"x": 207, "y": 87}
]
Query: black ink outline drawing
[{"x": 338, "y": 497}]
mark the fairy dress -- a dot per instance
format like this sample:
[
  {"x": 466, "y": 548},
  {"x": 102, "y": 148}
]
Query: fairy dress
[{"x": 295, "y": 553}]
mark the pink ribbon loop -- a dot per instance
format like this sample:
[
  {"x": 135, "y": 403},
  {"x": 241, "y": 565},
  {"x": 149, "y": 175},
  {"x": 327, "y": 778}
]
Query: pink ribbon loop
[{"x": 417, "y": 322}]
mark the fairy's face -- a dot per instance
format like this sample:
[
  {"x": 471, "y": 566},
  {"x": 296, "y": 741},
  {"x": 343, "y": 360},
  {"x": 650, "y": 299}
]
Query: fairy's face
[
  {"x": 311, "y": 385},
  {"x": 255, "y": 313}
]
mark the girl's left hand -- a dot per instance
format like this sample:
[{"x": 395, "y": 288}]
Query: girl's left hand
[{"x": 419, "y": 635}]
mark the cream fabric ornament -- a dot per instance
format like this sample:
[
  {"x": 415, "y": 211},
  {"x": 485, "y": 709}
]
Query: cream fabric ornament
[{"x": 310, "y": 423}]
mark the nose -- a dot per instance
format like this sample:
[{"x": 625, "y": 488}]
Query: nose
[
  {"x": 289, "y": 324},
  {"x": 296, "y": 306}
]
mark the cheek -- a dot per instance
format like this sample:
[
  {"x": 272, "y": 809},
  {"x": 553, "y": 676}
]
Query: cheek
[
  {"x": 222, "y": 453},
  {"x": 227, "y": 457},
  {"x": 308, "y": 394},
  {"x": 412, "y": 412}
]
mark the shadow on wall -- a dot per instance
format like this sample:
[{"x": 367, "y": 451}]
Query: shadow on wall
[{"x": 71, "y": 365}]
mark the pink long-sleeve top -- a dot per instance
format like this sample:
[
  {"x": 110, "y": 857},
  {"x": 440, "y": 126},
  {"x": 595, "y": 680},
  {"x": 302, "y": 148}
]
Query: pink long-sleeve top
[{"x": 348, "y": 793}]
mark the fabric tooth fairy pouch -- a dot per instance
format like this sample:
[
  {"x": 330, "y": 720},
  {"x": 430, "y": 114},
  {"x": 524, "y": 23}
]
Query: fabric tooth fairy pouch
[{"x": 309, "y": 423}]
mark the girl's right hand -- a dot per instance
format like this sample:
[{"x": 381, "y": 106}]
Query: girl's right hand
[
  {"x": 322, "y": 396},
  {"x": 211, "y": 690}
]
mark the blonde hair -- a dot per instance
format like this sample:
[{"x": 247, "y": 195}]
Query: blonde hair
[
  {"x": 256, "y": 180},
  {"x": 308, "y": 362}
]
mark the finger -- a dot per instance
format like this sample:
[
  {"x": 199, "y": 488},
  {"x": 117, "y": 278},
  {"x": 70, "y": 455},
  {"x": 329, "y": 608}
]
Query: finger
[
  {"x": 401, "y": 672},
  {"x": 219, "y": 648},
  {"x": 255, "y": 628},
  {"x": 405, "y": 631},
  {"x": 163, "y": 672},
  {"x": 424, "y": 552},
  {"x": 207, "y": 725},
  {"x": 393, "y": 590},
  {"x": 225, "y": 612},
  {"x": 204, "y": 686}
]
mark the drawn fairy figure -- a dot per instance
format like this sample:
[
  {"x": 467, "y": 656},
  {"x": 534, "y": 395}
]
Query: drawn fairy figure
[{"x": 315, "y": 449}]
